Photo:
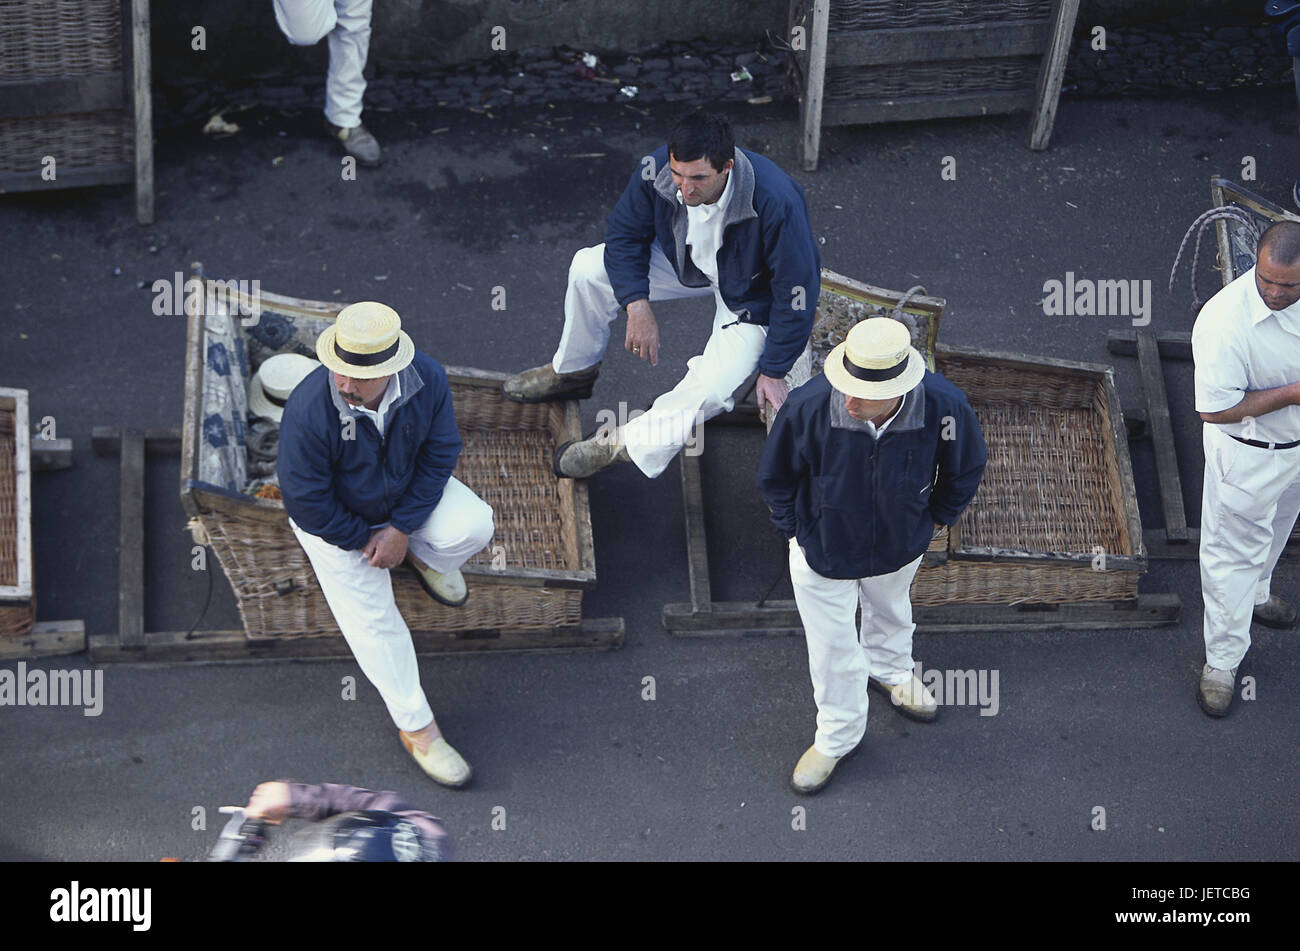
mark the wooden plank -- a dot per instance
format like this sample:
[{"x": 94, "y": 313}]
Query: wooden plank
[
  {"x": 1162, "y": 437},
  {"x": 1024, "y": 361},
  {"x": 1128, "y": 486},
  {"x": 735, "y": 618},
  {"x": 23, "y": 587},
  {"x": 51, "y": 454},
  {"x": 1052, "y": 72},
  {"x": 46, "y": 639},
  {"x": 191, "y": 429},
  {"x": 130, "y": 595},
  {"x": 218, "y": 647},
  {"x": 931, "y": 43},
  {"x": 1172, "y": 344},
  {"x": 107, "y": 441},
  {"x": 1160, "y": 549},
  {"x": 941, "y": 106},
  {"x": 1047, "y": 558},
  {"x": 118, "y": 173},
  {"x": 142, "y": 101},
  {"x": 472, "y": 376},
  {"x": 1227, "y": 272},
  {"x": 697, "y": 546},
  {"x": 581, "y": 504},
  {"x": 810, "y": 104},
  {"x": 39, "y": 98}
]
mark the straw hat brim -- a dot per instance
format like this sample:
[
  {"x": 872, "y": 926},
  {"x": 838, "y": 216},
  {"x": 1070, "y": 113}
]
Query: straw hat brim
[
  {"x": 398, "y": 361},
  {"x": 846, "y": 382},
  {"x": 259, "y": 405}
]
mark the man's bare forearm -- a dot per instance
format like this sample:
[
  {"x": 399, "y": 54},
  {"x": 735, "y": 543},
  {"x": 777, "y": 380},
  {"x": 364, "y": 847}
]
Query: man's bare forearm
[{"x": 1257, "y": 403}]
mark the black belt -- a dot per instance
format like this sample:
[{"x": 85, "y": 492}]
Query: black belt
[{"x": 1267, "y": 445}]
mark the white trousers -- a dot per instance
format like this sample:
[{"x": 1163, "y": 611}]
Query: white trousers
[
  {"x": 1248, "y": 508},
  {"x": 729, "y": 357},
  {"x": 347, "y": 24},
  {"x": 840, "y": 657},
  {"x": 361, "y": 597}
]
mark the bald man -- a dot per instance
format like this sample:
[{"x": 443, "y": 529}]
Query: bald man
[{"x": 1246, "y": 344}]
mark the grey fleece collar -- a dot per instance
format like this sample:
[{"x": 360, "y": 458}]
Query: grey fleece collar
[
  {"x": 408, "y": 378},
  {"x": 740, "y": 208},
  {"x": 911, "y": 415}
]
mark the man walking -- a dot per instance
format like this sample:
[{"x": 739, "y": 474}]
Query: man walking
[
  {"x": 347, "y": 24},
  {"x": 1246, "y": 345},
  {"x": 368, "y": 443},
  {"x": 863, "y": 463},
  {"x": 699, "y": 218}
]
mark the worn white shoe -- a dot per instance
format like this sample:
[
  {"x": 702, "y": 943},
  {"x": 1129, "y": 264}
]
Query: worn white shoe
[
  {"x": 813, "y": 771},
  {"x": 1214, "y": 693},
  {"x": 912, "y": 698},
  {"x": 440, "y": 761},
  {"x": 447, "y": 588},
  {"x": 583, "y": 458}
]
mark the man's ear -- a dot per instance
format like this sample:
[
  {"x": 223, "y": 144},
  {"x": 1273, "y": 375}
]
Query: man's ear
[{"x": 731, "y": 163}]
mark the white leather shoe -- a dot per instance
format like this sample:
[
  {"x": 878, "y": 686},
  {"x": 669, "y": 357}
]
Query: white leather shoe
[
  {"x": 449, "y": 589},
  {"x": 912, "y": 698},
  {"x": 813, "y": 771},
  {"x": 440, "y": 761}
]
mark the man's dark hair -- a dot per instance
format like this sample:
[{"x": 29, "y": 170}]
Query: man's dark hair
[
  {"x": 1282, "y": 242},
  {"x": 703, "y": 135}
]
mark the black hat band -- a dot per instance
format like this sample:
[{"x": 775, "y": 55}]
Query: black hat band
[
  {"x": 870, "y": 375},
  {"x": 366, "y": 359},
  {"x": 274, "y": 400}
]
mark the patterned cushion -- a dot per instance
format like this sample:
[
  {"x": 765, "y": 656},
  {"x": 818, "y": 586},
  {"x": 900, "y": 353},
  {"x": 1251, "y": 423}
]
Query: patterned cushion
[
  {"x": 278, "y": 333},
  {"x": 223, "y": 458}
]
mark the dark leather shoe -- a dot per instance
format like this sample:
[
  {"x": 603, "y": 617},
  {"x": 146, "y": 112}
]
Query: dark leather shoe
[
  {"x": 583, "y": 458},
  {"x": 357, "y": 142},
  {"x": 1214, "y": 693},
  {"x": 542, "y": 384},
  {"x": 1275, "y": 613}
]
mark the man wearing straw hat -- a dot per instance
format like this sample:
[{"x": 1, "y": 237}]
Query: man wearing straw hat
[
  {"x": 863, "y": 464},
  {"x": 368, "y": 443},
  {"x": 1246, "y": 347}
]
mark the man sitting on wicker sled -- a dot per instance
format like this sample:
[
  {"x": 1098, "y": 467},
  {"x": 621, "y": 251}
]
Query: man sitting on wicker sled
[
  {"x": 699, "y": 218},
  {"x": 367, "y": 447}
]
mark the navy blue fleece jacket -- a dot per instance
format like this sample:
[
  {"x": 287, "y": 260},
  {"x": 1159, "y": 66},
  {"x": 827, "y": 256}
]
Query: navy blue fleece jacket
[
  {"x": 769, "y": 268},
  {"x": 859, "y": 505},
  {"x": 340, "y": 479}
]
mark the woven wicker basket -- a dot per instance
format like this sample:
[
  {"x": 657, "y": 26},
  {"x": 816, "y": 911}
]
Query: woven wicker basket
[
  {"x": 17, "y": 597},
  {"x": 530, "y": 577},
  {"x": 63, "y": 40},
  {"x": 1055, "y": 519},
  {"x": 898, "y": 14}
]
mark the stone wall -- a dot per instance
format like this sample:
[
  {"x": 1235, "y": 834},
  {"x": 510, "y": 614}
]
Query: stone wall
[{"x": 242, "y": 37}]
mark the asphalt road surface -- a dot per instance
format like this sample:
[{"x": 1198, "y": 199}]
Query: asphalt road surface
[{"x": 584, "y": 767}]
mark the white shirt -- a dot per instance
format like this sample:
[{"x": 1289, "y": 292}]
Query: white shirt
[
  {"x": 393, "y": 391},
  {"x": 879, "y": 431},
  {"x": 1238, "y": 344},
  {"x": 704, "y": 230}
]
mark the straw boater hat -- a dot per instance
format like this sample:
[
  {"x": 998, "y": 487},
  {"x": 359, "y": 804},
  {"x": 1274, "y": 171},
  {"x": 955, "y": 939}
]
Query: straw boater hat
[
  {"x": 365, "y": 342},
  {"x": 876, "y": 361},
  {"x": 274, "y": 381}
]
